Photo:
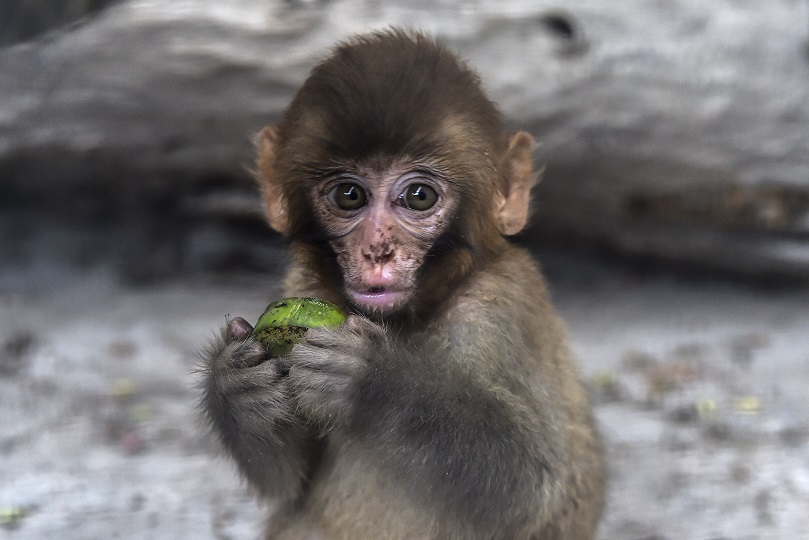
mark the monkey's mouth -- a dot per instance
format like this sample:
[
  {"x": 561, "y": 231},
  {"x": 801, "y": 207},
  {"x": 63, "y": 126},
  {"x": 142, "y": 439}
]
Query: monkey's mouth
[{"x": 378, "y": 299}]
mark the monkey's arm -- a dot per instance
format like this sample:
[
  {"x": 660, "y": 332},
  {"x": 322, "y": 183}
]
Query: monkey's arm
[
  {"x": 246, "y": 400},
  {"x": 474, "y": 447}
]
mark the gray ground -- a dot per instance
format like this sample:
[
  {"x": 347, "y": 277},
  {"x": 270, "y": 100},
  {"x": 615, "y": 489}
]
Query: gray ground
[{"x": 699, "y": 389}]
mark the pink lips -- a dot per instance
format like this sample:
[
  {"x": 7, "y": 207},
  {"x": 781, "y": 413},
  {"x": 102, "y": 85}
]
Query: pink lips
[{"x": 378, "y": 299}]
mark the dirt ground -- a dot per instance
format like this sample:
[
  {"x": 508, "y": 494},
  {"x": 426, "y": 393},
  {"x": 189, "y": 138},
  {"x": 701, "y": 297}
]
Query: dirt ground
[{"x": 699, "y": 388}]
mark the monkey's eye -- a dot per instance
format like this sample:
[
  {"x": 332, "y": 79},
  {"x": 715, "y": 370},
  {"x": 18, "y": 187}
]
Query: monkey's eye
[
  {"x": 418, "y": 197},
  {"x": 348, "y": 196}
]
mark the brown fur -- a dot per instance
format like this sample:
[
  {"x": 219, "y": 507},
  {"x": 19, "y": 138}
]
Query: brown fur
[{"x": 460, "y": 415}]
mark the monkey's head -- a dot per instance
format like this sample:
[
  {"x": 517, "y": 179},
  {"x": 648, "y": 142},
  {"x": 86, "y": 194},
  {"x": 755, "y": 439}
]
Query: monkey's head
[{"x": 392, "y": 165}]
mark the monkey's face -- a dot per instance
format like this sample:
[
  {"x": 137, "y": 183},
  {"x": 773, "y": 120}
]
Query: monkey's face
[{"x": 381, "y": 225}]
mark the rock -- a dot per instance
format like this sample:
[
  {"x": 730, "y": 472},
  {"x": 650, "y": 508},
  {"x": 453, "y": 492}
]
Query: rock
[{"x": 676, "y": 129}]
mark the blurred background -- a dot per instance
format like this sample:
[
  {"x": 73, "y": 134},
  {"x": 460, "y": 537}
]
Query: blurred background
[{"x": 672, "y": 221}]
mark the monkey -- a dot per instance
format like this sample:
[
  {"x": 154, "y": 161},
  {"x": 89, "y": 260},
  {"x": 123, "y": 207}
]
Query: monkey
[{"x": 448, "y": 405}]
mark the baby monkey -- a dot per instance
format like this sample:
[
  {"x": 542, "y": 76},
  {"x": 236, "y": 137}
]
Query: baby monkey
[{"x": 448, "y": 406}]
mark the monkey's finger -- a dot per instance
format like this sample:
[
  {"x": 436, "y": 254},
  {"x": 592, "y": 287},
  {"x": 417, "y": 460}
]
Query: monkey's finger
[
  {"x": 245, "y": 354},
  {"x": 340, "y": 357},
  {"x": 339, "y": 339},
  {"x": 363, "y": 326},
  {"x": 354, "y": 323},
  {"x": 238, "y": 330},
  {"x": 321, "y": 371},
  {"x": 319, "y": 361},
  {"x": 262, "y": 407},
  {"x": 323, "y": 338},
  {"x": 358, "y": 324},
  {"x": 236, "y": 381}
]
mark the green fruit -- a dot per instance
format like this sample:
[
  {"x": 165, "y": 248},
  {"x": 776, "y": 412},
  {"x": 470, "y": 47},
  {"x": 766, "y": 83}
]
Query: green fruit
[{"x": 285, "y": 322}]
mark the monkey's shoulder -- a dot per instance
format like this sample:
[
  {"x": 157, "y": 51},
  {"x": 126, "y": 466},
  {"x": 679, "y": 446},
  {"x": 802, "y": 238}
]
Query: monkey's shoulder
[
  {"x": 506, "y": 301},
  {"x": 512, "y": 280}
]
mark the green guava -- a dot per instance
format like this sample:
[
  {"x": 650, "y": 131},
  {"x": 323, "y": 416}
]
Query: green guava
[{"x": 285, "y": 322}]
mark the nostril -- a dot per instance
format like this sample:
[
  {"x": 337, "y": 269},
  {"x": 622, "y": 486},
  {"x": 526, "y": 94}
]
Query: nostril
[{"x": 378, "y": 254}]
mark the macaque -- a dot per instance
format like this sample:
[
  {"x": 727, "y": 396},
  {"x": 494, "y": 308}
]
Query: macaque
[{"x": 448, "y": 406}]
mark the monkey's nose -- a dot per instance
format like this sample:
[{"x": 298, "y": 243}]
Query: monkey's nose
[{"x": 378, "y": 254}]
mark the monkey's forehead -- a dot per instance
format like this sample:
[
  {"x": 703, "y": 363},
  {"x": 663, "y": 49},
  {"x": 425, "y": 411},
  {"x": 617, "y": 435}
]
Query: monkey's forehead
[
  {"x": 442, "y": 142},
  {"x": 391, "y": 93}
]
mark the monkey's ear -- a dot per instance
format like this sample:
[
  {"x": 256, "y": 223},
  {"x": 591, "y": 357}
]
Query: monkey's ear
[
  {"x": 274, "y": 199},
  {"x": 513, "y": 201}
]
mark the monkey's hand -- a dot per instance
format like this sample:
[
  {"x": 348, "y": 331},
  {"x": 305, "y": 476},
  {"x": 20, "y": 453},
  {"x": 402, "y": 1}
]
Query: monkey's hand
[
  {"x": 245, "y": 390},
  {"x": 246, "y": 400},
  {"x": 325, "y": 369}
]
